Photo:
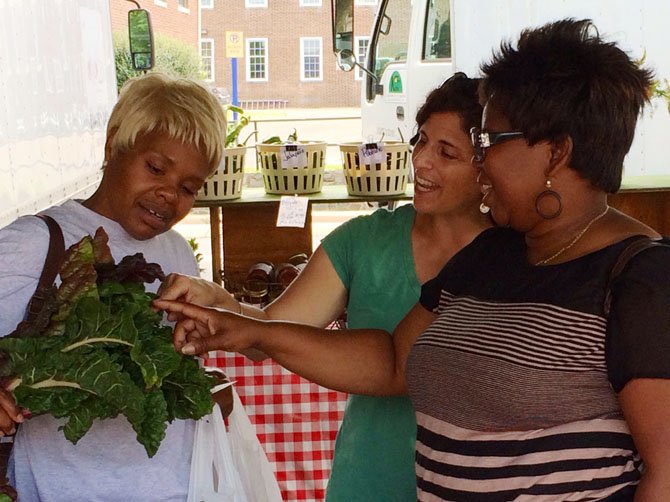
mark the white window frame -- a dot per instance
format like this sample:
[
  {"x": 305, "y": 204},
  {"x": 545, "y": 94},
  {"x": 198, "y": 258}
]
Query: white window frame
[
  {"x": 211, "y": 41},
  {"x": 160, "y": 3},
  {"x": 249, "y": 5},
  {"x": 360, "y": 74},
  {"x": 208, "y": 5},
  {"x": 302, "y": 60},
  {"x": 247, "y": 57},
  {"x": 182, "y": 9},
  {"x": 305, "y": 3},
  {"x": 366, "y": 2}
]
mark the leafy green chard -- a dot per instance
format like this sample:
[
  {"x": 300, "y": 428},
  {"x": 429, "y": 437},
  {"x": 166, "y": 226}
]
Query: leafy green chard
[{"x": 98, "y": 350}]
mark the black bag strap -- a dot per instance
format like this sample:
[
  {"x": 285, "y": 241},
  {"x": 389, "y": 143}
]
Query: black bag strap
[
  {"x": 52, "y": 264},
  {"x": 629, "y": 252}
]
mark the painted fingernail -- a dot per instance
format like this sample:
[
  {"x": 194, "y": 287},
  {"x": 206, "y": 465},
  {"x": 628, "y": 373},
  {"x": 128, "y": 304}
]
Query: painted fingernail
[{"x": 188, "y": 349}]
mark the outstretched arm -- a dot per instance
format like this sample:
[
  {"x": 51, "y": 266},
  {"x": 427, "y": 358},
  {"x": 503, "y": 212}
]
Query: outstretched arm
[
  {"x": 316, "y": 297},
  {"x": 361, "y": 361}
]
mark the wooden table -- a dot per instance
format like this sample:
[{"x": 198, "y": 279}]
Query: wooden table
[{"x": 244, "y": 231}]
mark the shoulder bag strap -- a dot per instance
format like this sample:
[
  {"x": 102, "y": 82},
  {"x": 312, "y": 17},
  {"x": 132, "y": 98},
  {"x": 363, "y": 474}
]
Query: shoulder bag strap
[
  {"x": 632, "y": 250},
  {"x": 52, "y": 265}
]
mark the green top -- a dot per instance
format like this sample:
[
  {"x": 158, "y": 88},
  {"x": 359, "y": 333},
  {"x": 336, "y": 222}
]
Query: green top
[{"x": 374, "y": 452}]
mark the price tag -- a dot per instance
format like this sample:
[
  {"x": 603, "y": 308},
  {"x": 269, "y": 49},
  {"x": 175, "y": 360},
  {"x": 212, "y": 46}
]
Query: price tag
[
  {"x": 292, "y": 211},
  {"x": 371, "y": 153},
  {"x": 292, "y": 156}
]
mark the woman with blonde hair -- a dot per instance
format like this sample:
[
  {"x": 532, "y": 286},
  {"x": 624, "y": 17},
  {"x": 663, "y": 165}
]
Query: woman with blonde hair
[{"x": 164, "y": 137}]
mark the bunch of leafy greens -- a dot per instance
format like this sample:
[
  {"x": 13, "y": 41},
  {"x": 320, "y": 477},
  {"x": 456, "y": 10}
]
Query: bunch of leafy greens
[{"x": 97, "y": 349}]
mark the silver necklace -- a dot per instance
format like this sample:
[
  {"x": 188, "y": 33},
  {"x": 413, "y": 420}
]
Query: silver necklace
[{"x": 573, "y": 241}]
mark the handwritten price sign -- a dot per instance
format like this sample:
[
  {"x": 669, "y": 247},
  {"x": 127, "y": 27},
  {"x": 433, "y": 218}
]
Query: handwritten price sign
[
  {"x": 292, "y": 211},
  {"x": 371, "y": 153}
]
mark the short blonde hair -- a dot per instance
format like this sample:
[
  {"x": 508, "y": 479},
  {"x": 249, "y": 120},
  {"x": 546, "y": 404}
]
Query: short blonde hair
[{"x": 180, "y": 107}]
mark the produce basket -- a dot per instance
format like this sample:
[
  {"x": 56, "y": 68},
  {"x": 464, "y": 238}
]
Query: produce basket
[
  {"x": 226, "y": 182},
  {"x": 376, "y": 179},
  {"x": 302, "y": 179}
]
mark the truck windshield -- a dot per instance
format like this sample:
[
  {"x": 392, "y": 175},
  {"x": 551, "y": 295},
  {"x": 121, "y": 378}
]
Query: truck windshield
[{"x": 391, "y": 35}]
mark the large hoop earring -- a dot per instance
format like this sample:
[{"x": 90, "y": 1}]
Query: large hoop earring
[{"x": 551, "y": 194}]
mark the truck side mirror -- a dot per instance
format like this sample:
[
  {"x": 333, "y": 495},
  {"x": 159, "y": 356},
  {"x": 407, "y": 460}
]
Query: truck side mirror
[
  {"x": 343, "y": 25},
  {"x": 346, "y": 60},
  {"x": 141, "y": 39}
]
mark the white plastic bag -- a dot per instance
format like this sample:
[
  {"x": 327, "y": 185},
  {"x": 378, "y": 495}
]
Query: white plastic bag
[
  {"x": 214, "y": 477},
  {"x": 252, "y": 464}
]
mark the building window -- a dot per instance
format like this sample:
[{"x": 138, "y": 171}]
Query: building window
[
  {"x": 365, "y": 2},
  {"x": 252, "y": 4},
  {"x": 311, "y": 54},
  {"x": 182, "y": 6},
  {"x": 257, "y": 59},
  {"x": 207, "y": 57},
  {"x": 160, "y": 3},
  {"x": 206, "y": 4},
  {"x": 310, "y": 3},
  {"x": 362, "y": 45}
]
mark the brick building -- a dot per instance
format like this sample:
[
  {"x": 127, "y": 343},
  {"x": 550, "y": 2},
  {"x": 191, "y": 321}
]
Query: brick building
[
  {"x": 287, "y": 48},
  {"x": 174, "y": 18}
]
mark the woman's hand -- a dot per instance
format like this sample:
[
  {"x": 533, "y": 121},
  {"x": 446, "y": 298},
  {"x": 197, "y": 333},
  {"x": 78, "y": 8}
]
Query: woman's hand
[
  {"x": 200, "y": 330},
  {"x": 10, "y": 414},
  {"x": 185, "y": 288}
]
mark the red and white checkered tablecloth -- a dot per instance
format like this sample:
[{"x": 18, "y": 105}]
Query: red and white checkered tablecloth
[{"x": 296, "y": 422}]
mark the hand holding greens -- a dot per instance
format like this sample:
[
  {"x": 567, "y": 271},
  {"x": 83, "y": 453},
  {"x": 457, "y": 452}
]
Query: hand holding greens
[{"x": 97, "y": 349}]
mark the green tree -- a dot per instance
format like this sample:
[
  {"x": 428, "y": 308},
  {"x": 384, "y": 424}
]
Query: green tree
[
  {"x": 661, "y": 90},
  {"x": 173, "y": 57}
]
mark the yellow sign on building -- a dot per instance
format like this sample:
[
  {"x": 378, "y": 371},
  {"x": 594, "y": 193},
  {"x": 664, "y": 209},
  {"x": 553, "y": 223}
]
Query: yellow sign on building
[{"x": 234, "y": 44}]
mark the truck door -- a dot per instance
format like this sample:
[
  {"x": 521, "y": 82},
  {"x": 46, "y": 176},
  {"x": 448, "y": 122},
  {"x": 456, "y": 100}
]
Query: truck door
[
  {"x": 410, "y": 53},
  {"x": 384, "y": 98}
]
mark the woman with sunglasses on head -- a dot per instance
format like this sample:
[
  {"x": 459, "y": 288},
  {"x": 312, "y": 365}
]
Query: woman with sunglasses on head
[
  {"x": 538, "y": 367},
  {"x": 374, "y": 267}
]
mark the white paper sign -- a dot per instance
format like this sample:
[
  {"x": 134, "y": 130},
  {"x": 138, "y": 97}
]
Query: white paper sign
[
  {"x": 292, "y": 156},
  {"x": 371, "y": 153},
  {"x": 292, "y": 211}
]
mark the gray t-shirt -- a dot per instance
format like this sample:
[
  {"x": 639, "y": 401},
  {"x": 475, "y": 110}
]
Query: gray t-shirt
[{"x": 107, "y": 464}]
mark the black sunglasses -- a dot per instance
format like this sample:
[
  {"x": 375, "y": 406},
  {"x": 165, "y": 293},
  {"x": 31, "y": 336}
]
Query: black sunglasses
[{"x": 481, "y": 140}]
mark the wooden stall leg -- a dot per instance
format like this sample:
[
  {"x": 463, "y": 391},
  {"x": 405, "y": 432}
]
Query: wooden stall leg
[{"x": 217, "y": 244}]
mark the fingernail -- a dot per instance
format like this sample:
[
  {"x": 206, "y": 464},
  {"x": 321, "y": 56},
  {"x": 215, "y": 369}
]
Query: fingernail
[
  {"x": 188, "y": 349},
  {"x": 19, "y": 418}
]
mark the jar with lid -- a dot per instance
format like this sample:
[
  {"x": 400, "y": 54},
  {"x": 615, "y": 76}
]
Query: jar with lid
[
  {"x": 257, "y": 284},
  {"x": 262, "y": 271},
  {"x": 286, "y": 273},
  {"x": 299, "y": 260}
]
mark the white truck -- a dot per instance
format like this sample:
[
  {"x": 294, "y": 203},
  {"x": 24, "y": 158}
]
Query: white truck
[
  {"x": 417, "y": 44},
  {"x": 58, "y": 84}
]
